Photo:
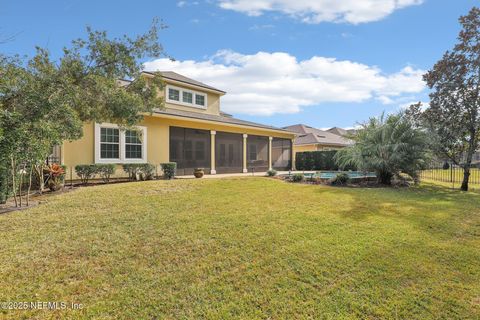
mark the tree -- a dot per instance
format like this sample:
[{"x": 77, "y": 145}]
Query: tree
[
  {"x": 45, "y": 102},
  {"x": 453, "y": 116},
  {"x": 388, "y": 146}
]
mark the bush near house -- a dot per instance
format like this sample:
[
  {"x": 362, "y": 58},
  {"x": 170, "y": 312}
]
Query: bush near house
[
  {"x": 340, "y": 179},
  {"x": 85, "y": 172},
  {"x": 271, "y": 173},
  {"x": 140, "y": 171},
  {"x": 105, "y": 171},
  {"x": 132, "y": 170},
  {"x": 146, "y": 171},
  {"x": 298, "y": 177},
  {"x": 169, "y": 169},
  {"x": 317, "y": 160}
]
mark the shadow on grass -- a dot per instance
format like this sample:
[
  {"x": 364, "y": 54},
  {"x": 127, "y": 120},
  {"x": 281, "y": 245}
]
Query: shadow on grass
[{"x": 435, "y": 209}]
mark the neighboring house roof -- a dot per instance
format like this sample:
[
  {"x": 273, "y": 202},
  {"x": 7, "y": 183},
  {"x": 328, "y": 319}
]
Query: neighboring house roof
[
  {"x": 212, "y": 117},
  {"x": 310, "y": 135},
  {"x": 338, "y": 131},
  {"x": 341, "y": 131},
  {"x": 178, "y": 77}
]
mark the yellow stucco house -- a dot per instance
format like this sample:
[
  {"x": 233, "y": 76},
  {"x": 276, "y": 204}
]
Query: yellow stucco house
[{"x": 191, "y": 130}]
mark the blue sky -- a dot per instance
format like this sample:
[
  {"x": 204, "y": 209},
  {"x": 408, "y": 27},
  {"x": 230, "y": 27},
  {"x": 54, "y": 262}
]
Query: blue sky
[{"x": 324, "y": 63}]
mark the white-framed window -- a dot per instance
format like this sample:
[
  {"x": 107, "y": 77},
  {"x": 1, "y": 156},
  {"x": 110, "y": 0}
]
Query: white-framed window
[
  {"x": 186, "y": 97},
  {"x": 114, "y": 145},
  {"x": 200, "y": 100},
  {"x": 173, "y": 94}
]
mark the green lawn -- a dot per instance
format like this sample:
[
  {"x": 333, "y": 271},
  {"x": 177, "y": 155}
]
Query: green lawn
[{"x": 246, "y": 248}]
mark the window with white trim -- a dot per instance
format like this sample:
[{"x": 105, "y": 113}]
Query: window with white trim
[
  {"x": 133, "y": 145},
  {"x": 200, "y": 100},
  {"x": 109, "y": 143},
  {"x": 186, "y": 97},
  {"x": 113, "y": 145},
  {"x": 173, "y": 94}
]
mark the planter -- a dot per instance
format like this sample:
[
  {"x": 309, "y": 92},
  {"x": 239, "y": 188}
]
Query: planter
[{"x": 198, "y": 172}]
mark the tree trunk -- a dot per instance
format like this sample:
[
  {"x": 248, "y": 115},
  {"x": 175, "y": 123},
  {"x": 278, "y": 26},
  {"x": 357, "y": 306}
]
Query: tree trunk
[
  {"x": 14, "y": 184},
  {"x": 468, "y": 163},
  {"x": 29, "y": 185},
  {"x": 39, "y": 172},
  {"x": 385, "y": 177},
  {"x": 21, "y": 185},
  {"x": 466, "y": 177}
]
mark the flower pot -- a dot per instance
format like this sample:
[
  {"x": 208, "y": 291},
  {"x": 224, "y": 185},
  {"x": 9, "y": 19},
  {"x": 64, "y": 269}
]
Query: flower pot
[{"x": 198, "y": 173}]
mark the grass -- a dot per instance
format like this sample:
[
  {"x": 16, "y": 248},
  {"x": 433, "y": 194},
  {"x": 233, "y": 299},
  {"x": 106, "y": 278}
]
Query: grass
[{"x": 251, "y": 248}]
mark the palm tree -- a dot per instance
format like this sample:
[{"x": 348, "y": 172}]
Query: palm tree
[{"x": 388, "y": 146}]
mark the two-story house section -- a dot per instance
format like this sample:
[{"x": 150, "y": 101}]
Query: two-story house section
[{"x": 190, "y": 130}]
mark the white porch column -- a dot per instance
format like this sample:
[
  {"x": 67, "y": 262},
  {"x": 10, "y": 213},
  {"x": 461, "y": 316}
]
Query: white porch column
[
  {"x": 292, "y": 150},
  {"x": 212, "y": 152},
  {"x": 270, "y": 153},
  {"x": 245, "y": 169}
]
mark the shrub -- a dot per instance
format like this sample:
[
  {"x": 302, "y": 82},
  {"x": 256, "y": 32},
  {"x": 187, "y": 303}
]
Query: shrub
[
  {"x": 169, "y": 169},
  {"x": 318, "y": 160},
  {"x": 339, "y": 180},
  {"x": 146, "y": 171},
  {"x": 132, "y": 169},
  {"x": 297, "y": 177},
  {"x": 271, "y": 173},
  {"x": 387, "y": 145},
  {"x": 55, "y": 176},
  {"x": 5, "y": 187},
  {"x": 85, "y": 172},
  {"x": 446, "y": 166},
  {"x": 105, "y": 171}
]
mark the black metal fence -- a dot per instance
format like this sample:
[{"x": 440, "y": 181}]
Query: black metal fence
[{"x": 450, "y": 174}]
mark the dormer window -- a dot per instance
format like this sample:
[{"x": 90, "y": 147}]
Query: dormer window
[
  {"x": 200, "y": 100},
  {"x": 173, "y": 94},
  {"x": 186, "y": 97}
]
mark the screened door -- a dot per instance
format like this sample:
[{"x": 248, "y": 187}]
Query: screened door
[
  {"x": 190, "y": 149},
  {"x": 228, "y": 152},
  {"x": 257, "y": 153},
  {"x": 281, "y": 154}
]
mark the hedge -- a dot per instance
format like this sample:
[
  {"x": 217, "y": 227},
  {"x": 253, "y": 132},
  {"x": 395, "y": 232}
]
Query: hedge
[
  {"x": 317, "y": 160},
  {"x": 169, "y": 169}
]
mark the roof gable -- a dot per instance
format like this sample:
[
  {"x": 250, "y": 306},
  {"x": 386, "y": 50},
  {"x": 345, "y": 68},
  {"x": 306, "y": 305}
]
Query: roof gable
[{"x": 170, "y": 75}]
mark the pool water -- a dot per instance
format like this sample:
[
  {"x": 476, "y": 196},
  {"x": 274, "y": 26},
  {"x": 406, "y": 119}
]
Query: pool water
[{"x": 333, "y": 174}]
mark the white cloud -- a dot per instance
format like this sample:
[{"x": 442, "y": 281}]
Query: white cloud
[
  {"x": 350, "y": 11},
  {"x": 181, "y": 4},
  {"x": 269, "y": 83}
]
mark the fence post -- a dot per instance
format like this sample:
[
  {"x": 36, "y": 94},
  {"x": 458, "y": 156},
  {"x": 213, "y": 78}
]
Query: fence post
[{"x": 451, "y": 176}]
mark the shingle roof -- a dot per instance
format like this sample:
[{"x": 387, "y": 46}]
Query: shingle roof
[
  {"x": 310, "y": 135},
  {"x": 216, "y": 118},
  {"x": 341, "y": 131},
  {"x": 178, "y": 77}
]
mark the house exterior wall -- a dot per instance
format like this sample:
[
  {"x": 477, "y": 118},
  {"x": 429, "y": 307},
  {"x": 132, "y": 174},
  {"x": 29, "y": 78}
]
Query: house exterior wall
[
  {"x": 82, "y": 151},
  {"x": 213, "y": 102}
]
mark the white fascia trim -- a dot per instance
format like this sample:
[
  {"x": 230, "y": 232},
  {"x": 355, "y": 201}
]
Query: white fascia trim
[
  {"x": 122, "y": 149},
  {"x": 180, "y": 97}
]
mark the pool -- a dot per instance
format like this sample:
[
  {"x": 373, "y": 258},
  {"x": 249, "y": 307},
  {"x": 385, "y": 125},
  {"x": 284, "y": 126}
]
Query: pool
[{"x": 332, "y": 174}]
